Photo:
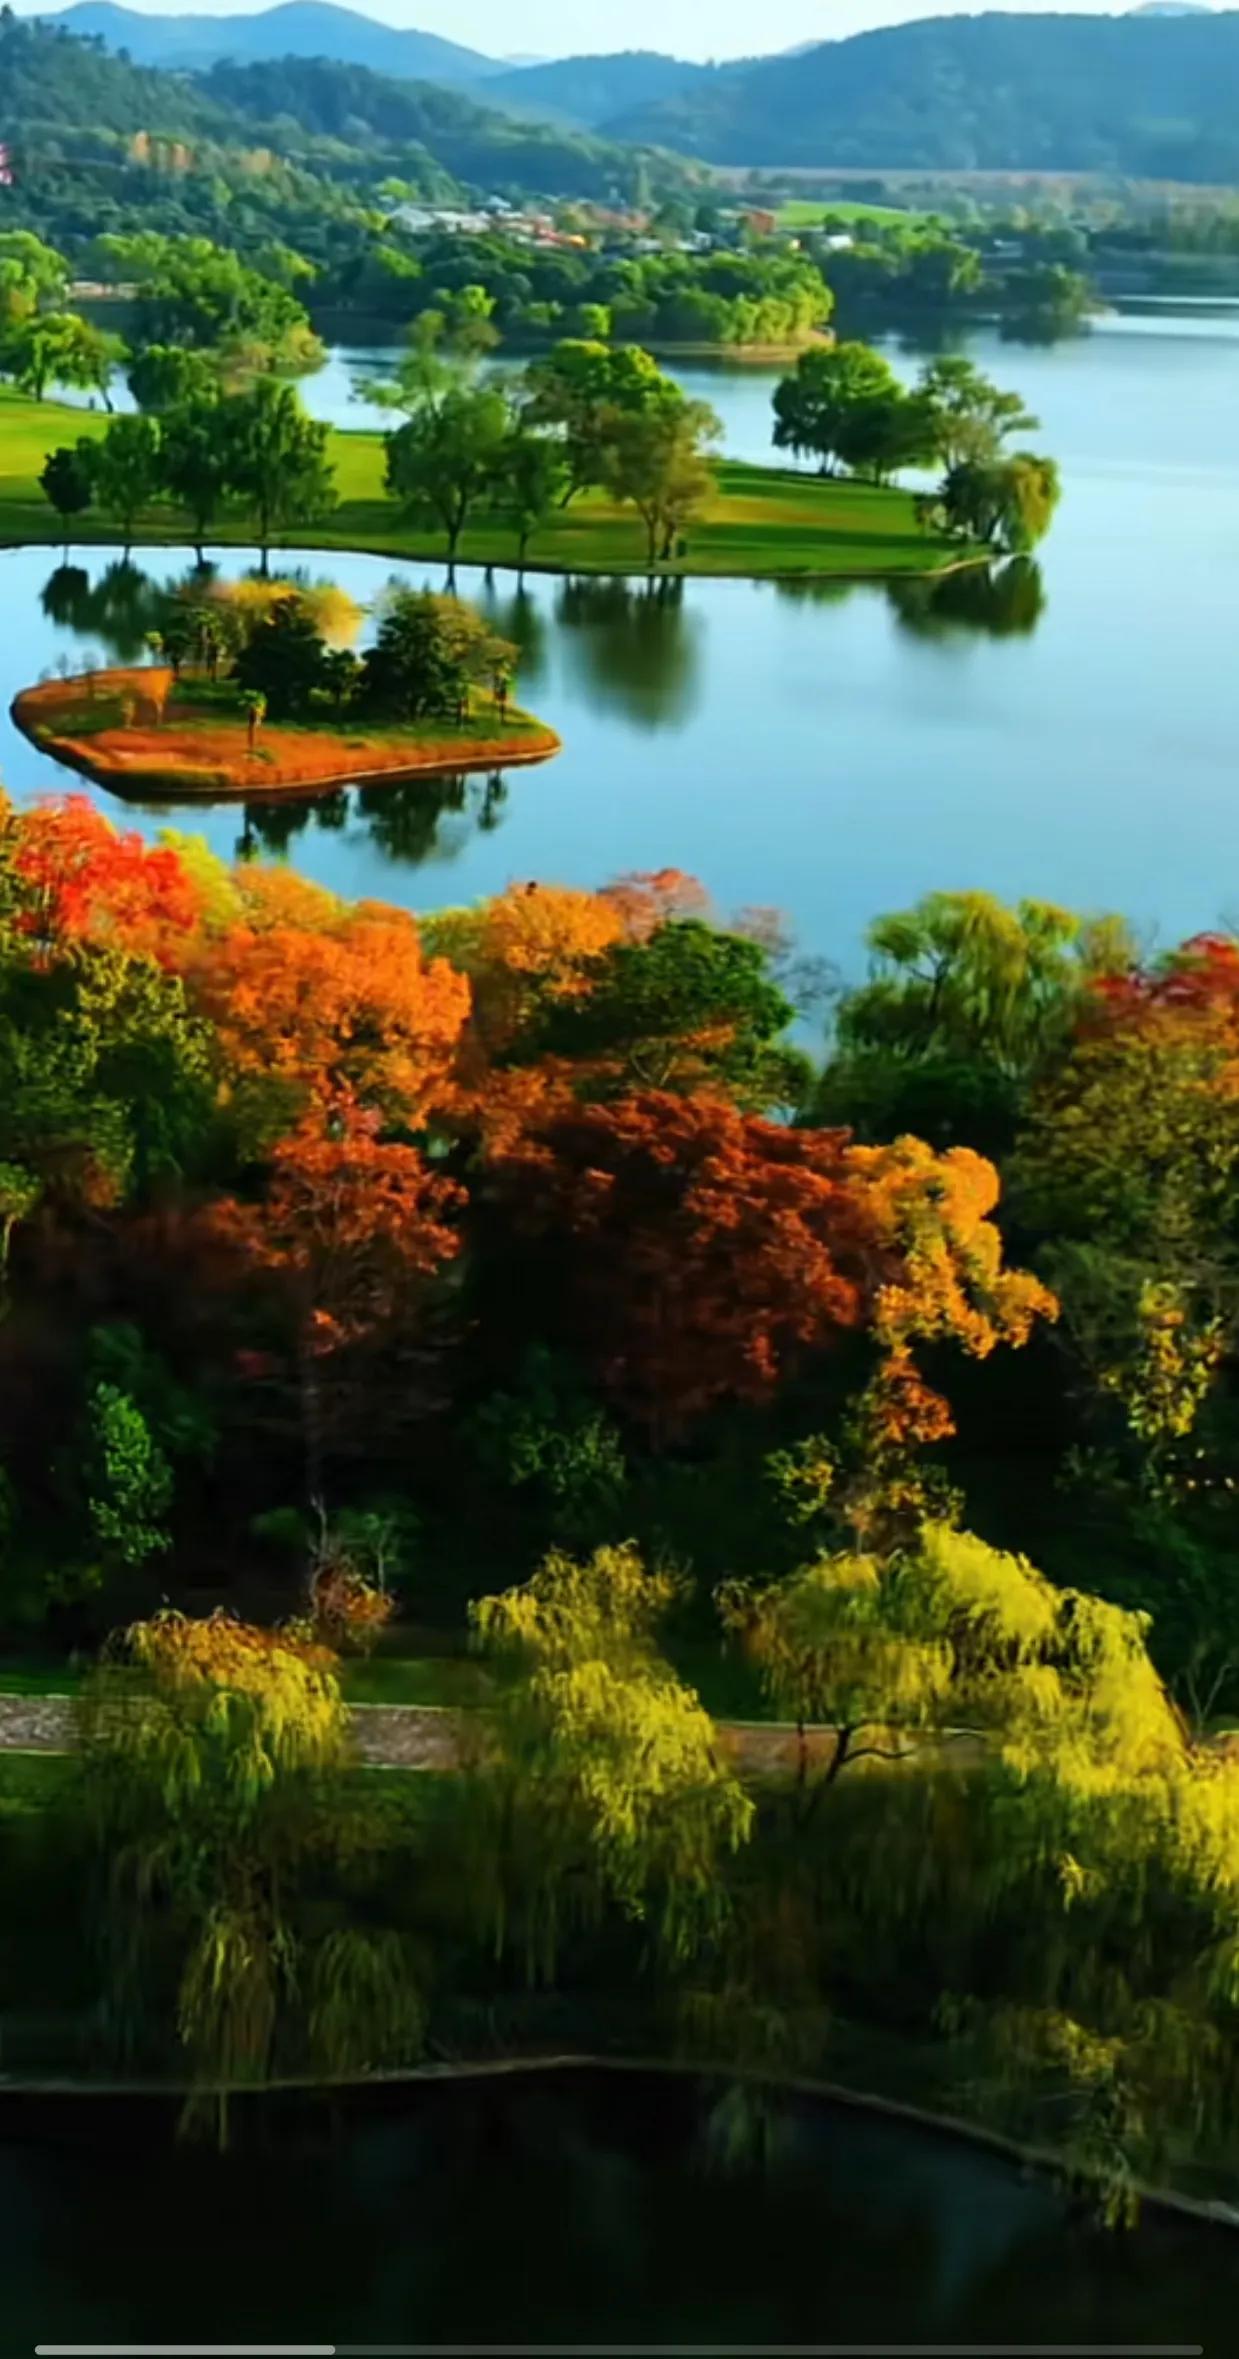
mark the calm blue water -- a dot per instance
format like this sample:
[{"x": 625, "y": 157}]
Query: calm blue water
[{"x": 830, "y": 753}]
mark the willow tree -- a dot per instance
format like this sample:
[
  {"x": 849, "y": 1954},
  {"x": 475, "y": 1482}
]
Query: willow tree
[
  {"x": 212, "y": 1751},
  {"x": 1064, "y": 1884},
  {"x": 951, "y": 1636},
  {"x": 600, "y": 1785}
]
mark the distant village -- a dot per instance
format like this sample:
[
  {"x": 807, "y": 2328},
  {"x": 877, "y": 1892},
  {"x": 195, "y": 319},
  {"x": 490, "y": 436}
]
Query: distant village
[{"x": 596, "y": 225}]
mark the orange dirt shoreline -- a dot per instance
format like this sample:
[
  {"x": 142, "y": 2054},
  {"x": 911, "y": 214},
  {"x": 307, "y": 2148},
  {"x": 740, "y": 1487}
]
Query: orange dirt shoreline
[{"x": 169, "y": 748}]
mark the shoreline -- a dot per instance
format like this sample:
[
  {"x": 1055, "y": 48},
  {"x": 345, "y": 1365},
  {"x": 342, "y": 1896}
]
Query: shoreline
[
  {"x": 1041, "y": 2161},
  {"x": 758, "y": 521},
  {"x": 851, "y": 576},
  {"x": 200, "y": 783}
]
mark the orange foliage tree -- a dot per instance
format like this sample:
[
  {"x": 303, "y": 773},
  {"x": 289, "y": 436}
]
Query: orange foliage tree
[
  {"x": 529, "y": 946},
  {"x": 348, "y": 1005}
]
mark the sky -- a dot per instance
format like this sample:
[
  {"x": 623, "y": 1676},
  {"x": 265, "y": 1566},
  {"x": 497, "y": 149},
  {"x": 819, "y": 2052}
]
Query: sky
[{"x": 685, "y": 28}]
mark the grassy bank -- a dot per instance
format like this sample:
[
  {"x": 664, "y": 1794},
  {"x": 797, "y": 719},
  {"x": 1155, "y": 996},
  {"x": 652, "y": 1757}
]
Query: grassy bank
[
  {"x": 762, "y": 521},
  {"x": 137, "y": 730}
]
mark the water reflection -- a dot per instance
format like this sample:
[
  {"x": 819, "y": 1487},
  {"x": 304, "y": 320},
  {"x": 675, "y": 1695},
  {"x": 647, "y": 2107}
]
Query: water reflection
[
  {"x": 517, "y": 616},
  {"x": 408, "y": 823},
  {"x": 999, "y": 601},
  {"x": 118, "y": 610},
  {"x": 634, "y": 646}
]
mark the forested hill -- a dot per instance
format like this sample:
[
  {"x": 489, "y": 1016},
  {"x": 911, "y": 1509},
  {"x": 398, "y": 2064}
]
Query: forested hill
[
  {"x": 301, "y": 28},
  {"x": 89, "y": 130},
  {"x": 597, "y": 90},
  {"x": 476, "y": 143},
  {"x": 49, "y": 78},
  {"x": 1151, "y": 97}
]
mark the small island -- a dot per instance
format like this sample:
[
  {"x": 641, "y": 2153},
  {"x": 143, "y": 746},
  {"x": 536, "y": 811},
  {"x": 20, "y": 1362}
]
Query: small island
[{"x": 245, "y": 695}]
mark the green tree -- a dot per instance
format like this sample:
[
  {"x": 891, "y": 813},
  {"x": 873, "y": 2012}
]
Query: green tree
[
  {"x": 211, "y": 1753},
  {"x": 60, "y": 346},
  {"x": 1045, "y": 299},
  {"x": 578, "y": 388},
  {"x": 276, "y": 460},
  {"x": 891, "y": 1652},
  {"x": 127, "y": 1479},
  {"x": 1007, "y": 504},
  {"x": 690, "y": 1008},
  {"x": 828, "y": 388},
  {"x": 125, "y": 469},
  {"x": 33, "y": 276},
  {"x": 655, "y": 459},
  {"x": 887, "y": 432},
  {"x": 198, "y": 294},
  {"x": 449, "y": 456},
  {"x": 165, "y": 377},
  {"x": 974, "y": 415},
  {"x": 196, "y": 462},
  {"x": 967, "y": 1003},
  {"x": 285, "y": 660},
  {"x": 427, "y": 653},
  {"x": 68, "y": 484},
  {"x": 529, "y": 482}
]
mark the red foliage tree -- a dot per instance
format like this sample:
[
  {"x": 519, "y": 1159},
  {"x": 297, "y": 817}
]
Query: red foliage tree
[
  {"x": 348, "y": 1226},
  {"x": 79, "y": 878},
  {"x": 703, "y": 1252}
]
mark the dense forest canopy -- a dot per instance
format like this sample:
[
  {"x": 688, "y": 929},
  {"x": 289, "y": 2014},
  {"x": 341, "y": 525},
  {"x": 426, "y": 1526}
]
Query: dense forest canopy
[
  {"x": 92, "y": 136},
  {"x": 1147, "y": 96}
]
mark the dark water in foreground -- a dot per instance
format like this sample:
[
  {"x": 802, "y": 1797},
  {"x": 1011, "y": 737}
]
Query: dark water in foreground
[
  {"x": 568, "y": 2208},
  {"x": 1073, "y": 734}
]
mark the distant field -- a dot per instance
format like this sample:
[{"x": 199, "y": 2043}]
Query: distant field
[
  {"x": 762, "y": 520},
  {"x": 807, "y": 212}
]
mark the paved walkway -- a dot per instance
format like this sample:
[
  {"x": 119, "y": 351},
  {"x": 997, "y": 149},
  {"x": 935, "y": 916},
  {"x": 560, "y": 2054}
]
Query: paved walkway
[{"x": 426, "y": 1736}]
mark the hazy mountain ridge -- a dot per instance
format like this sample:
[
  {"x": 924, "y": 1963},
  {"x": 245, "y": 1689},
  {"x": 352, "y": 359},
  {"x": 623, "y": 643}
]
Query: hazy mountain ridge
[
  {"x": 1148, "y": 96},
  {"x": 298, "y": 28}
]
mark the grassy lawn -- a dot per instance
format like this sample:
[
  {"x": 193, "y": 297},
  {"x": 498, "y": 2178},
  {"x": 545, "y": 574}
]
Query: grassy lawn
[
  {"x": 454, "y": 1681},
  {"x": 807, "y": 212},
  {"x": 31, "y": 1781},
  {"x": 40, "y": 1679},
  {"x": 762, "y": 520}
]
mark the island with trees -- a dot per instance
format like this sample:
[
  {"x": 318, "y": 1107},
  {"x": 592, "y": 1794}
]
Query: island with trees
[{"x": 253, "y": 689}]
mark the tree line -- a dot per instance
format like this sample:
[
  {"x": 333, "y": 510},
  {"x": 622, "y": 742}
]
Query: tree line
[{"x": 844, "y": 406}]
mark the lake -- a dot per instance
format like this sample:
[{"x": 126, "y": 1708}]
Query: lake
[
  {"x": 567, "y": 2208},
  {"x": 835, "y": 752}
]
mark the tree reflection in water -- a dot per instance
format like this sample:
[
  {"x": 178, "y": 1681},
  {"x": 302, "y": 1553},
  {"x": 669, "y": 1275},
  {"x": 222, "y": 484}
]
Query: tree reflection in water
[
  {"x": 1003, "y": 601},
  {"x": 634, "y": 646},
  {"x": 410, "y": 821},
  {"x": 118, "y": 610}
]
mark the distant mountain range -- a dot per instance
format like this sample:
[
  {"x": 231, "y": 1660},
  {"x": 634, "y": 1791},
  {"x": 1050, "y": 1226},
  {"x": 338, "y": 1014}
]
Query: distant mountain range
[
  {"x": 300, "y": 28},
  {"x": 1153, "y": 95}
]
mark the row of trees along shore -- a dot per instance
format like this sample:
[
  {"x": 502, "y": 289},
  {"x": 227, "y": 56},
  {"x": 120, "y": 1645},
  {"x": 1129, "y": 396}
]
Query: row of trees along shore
[
  {"x": 587, "y": 415},
  {"x": 216, "y": 432},
  {"x": 513, "y": 1265}
]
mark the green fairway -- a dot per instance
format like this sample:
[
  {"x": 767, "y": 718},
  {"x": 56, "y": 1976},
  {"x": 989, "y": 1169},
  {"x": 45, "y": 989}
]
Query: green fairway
[
  {"x": 762, "y": 521},
  {"x": 807, "y": 212}
]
